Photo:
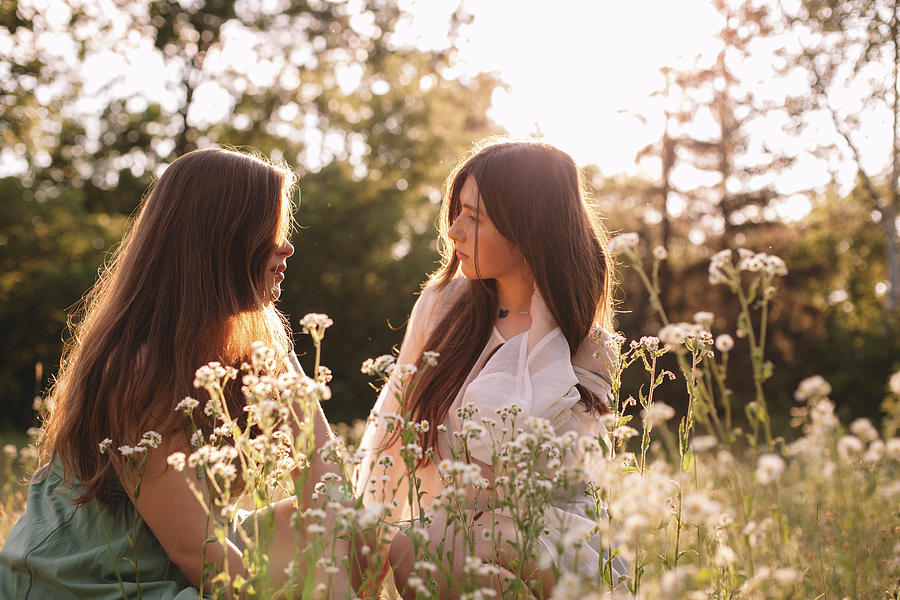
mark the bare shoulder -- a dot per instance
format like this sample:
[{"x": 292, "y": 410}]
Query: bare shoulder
[
  {"x": 598, "y": 351},
  {"x": 437, "y": 298}
]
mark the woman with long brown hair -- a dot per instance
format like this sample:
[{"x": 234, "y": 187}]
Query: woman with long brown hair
[
  {"x": 193, "y": 281},
  {"x": 523, "y": 281}
]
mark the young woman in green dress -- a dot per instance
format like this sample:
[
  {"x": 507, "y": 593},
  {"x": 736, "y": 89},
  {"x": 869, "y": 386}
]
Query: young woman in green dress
[{"x": 193, "y": 281}]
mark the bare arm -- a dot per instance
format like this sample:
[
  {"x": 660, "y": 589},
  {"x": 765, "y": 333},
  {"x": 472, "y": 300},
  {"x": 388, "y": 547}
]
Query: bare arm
[{"x": 164, "y": 493}]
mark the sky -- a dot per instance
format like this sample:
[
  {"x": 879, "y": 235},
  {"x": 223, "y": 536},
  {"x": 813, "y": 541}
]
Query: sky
[
  {"x": 579, "y": 71},
  {"x": 585, "y": 74}
]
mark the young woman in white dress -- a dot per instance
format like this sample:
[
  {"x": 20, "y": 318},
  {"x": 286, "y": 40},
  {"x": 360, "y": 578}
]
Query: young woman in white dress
[{"x": 524, "y": 279}]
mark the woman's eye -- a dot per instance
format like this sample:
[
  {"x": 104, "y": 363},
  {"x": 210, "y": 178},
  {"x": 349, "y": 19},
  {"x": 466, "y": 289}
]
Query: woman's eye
[{"x": 473, "y": 218}]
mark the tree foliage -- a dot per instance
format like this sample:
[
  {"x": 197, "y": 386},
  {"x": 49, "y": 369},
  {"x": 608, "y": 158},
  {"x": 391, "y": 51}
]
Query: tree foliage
[{"x": 371, "y": 125}]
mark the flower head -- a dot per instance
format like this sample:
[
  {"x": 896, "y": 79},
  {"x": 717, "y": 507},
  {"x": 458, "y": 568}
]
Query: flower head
[
  {"x": 724, "y": 343},
  {"x": 812, "y": 388},
  {"x": 769, "y": 468},
  {"x": 315, "y": 324},
  {"x": 894, "y": 383},
  {"x": 623, "y": 243},
  {"x": 381, "y": 366}
]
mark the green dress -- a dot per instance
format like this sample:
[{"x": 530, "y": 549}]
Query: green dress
[{"x": 58, "y": 550}]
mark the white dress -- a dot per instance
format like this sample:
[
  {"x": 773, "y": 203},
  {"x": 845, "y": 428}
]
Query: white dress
[{"x": 533, "y": 370}]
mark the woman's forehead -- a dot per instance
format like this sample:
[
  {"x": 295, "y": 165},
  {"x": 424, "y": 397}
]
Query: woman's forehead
[{"x": 468, "y": 195}]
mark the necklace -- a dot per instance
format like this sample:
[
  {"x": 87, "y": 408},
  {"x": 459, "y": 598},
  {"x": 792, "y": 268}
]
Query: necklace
[{"x": 504, "y": 312}]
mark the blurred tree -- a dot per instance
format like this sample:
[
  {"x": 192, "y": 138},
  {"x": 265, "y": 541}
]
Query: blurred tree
[
  {"x": 728, "y": 176},
  {"x": 854, "y": 45},
  {"x": 372, "y": 125},
  {"x": 49, "y": 254}
]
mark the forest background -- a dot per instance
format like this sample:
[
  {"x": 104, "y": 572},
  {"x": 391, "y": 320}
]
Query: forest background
[{"x": 372, "y": 154}]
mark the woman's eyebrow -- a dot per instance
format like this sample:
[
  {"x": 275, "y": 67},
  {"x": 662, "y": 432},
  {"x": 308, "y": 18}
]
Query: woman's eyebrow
[{"x": 469, "y": 207}]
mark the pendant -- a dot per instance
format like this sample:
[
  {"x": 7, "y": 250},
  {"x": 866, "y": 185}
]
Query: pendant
[{"x": 504, "y": 312}]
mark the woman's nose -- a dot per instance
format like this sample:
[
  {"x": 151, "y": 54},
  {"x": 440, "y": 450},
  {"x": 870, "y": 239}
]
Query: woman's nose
[
  {"x": 455, "y": 231},
  {"x": 286, "y": 249}
]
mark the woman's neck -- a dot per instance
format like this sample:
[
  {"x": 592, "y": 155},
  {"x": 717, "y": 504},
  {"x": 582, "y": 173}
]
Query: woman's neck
[{"x": 514, "y": 292}]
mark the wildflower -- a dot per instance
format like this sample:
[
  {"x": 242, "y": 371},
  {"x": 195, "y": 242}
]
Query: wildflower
[
  {"x": 187, "y": 405},
  {"x": 648, "y": 342},
  {"x": 725, "y": 556},
  {"x": 623, "y": 243},
  {"x": 775, "y": 266},
  {"x": 697, "y": 508},
  {"x": 624, "y": 432},
  {"x": 430, "y": 358},
  {"x": 324, "y": 374},
  {"x": 785, "y": 575},
  {"x": 724, "y": 343},
  {"x": 197, "y": 438},
  {"x": 635, "y": 526},
  {"x": 718, "y": 265},
  {"x": 151, "y": 439},
  {"x": 848, "y": 446},
  {"x": 613, "y": 341},
  {"x": 703, "y": 443},
  {"x": 894, "y": 383},
  {"x": 210, "y": 374},
  {"x": 657, "y": 413},
  {"x": 676, "y": 334},
  {"x": 407, "y": 369},
  {"x": 660, "y": 253},
  {"x": 769, "y": 468},
  {"x": 704, "y": 319},
  {"x": 105, "y": 445},
  {"x": 315, "y": 324},
  {"x": 10, "y": 451},
  {"x": 424, "y": 565},
  {"x": 381, "y": 366},
  {"x": 262, "y": 357},
  {"x": 812, "y": 388},
  {"x": 892, "y": 448},
  {"x": 864, "y": 430},
  {"x": 874, "y": 453},
  {"x": 412, "y": 450},
  {"x": 176, "y": 461},
  {"x": 131, "y": 450}
]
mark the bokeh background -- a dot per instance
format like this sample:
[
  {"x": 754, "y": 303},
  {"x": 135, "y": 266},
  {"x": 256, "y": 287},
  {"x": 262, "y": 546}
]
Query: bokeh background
[{"x": 702, "y": 125}]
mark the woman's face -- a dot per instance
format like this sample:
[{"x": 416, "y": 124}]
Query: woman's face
[
  {"x": 497, "y": 257},
  {"x": 276, "y": 266}
]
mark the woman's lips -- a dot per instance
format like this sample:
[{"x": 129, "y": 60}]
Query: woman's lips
[{"x": 461, "y": 256}]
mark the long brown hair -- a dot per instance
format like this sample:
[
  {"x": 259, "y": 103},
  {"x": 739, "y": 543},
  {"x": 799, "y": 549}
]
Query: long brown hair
[
  {"x": 536, "y": 197},
  {"x": 186, "y": 286}
]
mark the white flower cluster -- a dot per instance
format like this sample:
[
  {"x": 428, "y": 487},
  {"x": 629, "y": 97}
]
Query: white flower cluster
[
  {"x": 381, "y": 366},
  {"x": 213, "y": 374},
  {"x": 723, "y": 270},
  {"x": 315, "y": 324},
  {"x": 187, "y": 405},
  {"x": 894, "y": 383},
  {"x": 150, "y": 439},
  {"x": 657, "y": 413},
  {"x": 649, "y": 343},
  {"x": 623, "y": 243},
  {"x": 755, "y": 262},
  {"x": 769, "y": 468},
  {"x": 676, "y": 334},
  {"x": 812, "y": 388}
]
